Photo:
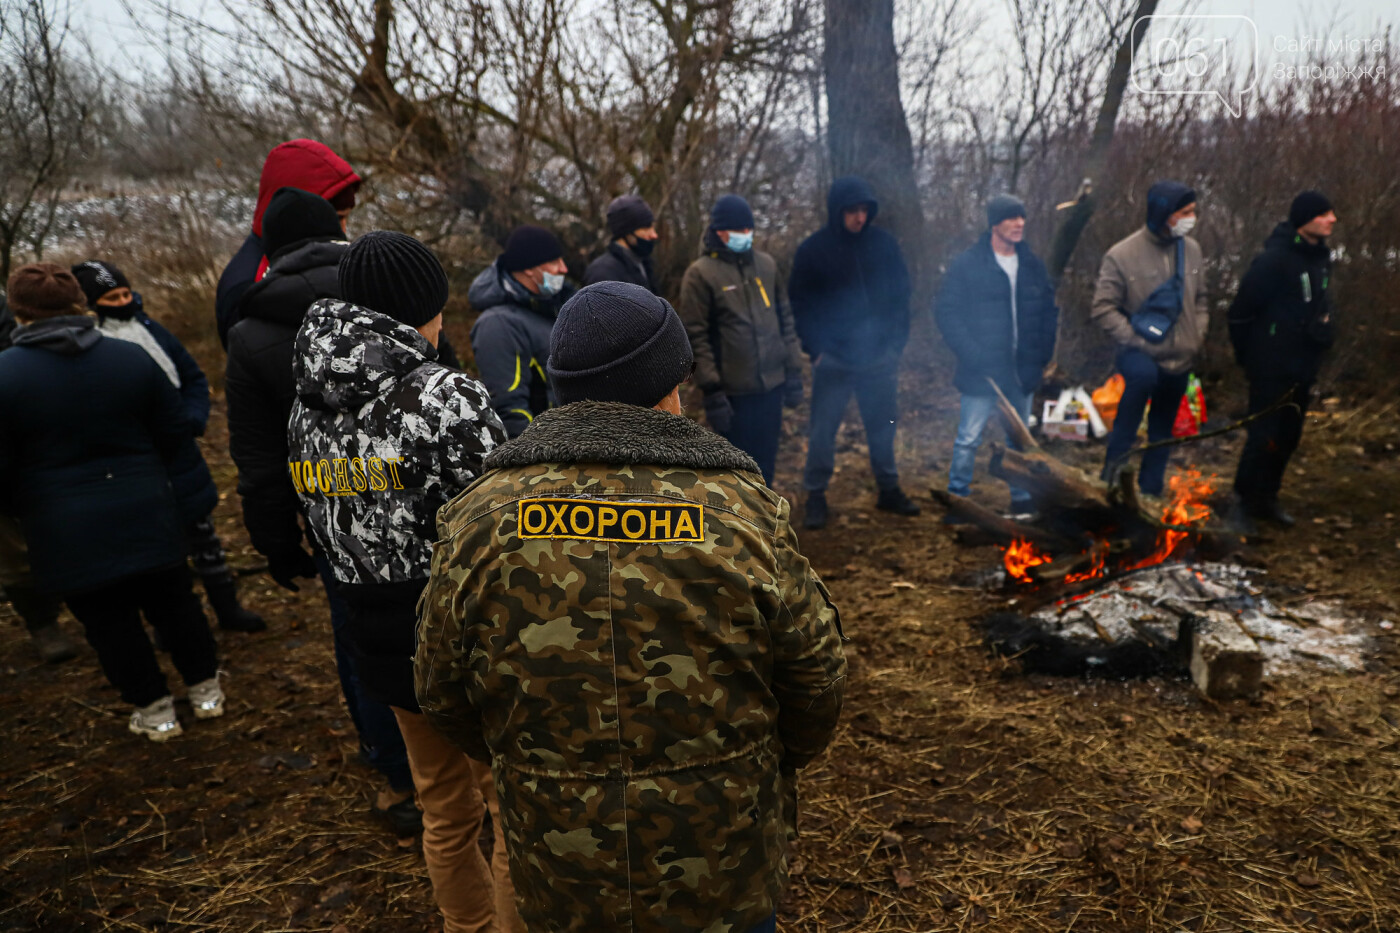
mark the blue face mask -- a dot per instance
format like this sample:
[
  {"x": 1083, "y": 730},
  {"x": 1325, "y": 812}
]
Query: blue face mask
[
  {"x": 740, "y": 242},
  {"x": 550, "y": 283}
]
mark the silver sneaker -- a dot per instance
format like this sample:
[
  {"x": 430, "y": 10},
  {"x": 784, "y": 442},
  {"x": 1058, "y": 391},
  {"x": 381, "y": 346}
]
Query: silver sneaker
[
  {"x": 156, "y": 722},
  {"x": 207, "y": 698}
]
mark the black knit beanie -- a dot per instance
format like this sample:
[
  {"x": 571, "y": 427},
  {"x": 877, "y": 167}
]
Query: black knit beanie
[
  {"x": 1002, "y": 207},
  {"x": 1307, "y": 207},
  {"x": 97, "y": 278},
  {"x": 394, "y": 274},
  {"x": 617, "y": 342},
  {"x": 528, "y": 247},
  {"x": 294, "y": 215},
  {"x": 731, "y": 212},
  {"x": 628, "y": 214}
]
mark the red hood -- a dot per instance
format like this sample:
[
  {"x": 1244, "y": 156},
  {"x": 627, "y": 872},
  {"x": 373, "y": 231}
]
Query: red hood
[{"x": 304, "y": 164}]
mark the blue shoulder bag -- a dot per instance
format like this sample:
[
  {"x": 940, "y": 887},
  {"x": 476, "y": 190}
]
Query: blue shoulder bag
[{"x": 1156, "y": 316}]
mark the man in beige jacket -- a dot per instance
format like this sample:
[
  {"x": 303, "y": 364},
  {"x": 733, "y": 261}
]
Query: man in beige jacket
[{"x": 1156, "y": 355}]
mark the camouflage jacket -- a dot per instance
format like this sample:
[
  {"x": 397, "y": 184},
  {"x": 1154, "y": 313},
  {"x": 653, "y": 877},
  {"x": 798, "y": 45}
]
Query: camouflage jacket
[
  {"x": 619, "y": 619},
  {"x": 380, "y": 437}
]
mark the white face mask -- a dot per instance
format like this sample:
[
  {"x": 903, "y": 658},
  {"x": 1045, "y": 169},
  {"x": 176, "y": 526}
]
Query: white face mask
[
  {"x": 1183, "y": 226},
  {"x": 550, "y": 283}
]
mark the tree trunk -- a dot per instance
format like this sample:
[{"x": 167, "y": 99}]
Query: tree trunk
[
  {"x": 867, "y": 131},
  {"x": 1074, "y": 221}
]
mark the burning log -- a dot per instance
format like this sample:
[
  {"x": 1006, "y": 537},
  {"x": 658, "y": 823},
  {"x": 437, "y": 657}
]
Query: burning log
[{"x": 1003, "y": 530}]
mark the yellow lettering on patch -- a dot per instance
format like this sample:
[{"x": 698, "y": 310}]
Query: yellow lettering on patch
[
  {"x": 377, "y": 482},
  {"x": 357, "y": 474},
  {"x": 295, "y": 468},
  {"x": 610, "y": 520}
]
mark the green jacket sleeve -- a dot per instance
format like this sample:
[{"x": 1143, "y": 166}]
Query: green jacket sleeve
[
  {"x": 695, "y": 314},
  {"x": 441, "y": 672},
  {"x": 809, "y": 669}
]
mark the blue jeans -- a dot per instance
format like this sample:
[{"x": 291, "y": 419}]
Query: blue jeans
[
  {"x": 876, "y": 392},
  {"x": 1144, "y": 381},
  {"x": 977, "y": 410},
  {"x": 757, "y": 426},
  {"x": 374, "y": 721}
]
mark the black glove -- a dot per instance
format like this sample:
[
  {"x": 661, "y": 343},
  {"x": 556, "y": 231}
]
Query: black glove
[
  {"x": 792, "y": 391},
  {"x": 718, "y": 411},
  {"x": 284, "y": 568}
]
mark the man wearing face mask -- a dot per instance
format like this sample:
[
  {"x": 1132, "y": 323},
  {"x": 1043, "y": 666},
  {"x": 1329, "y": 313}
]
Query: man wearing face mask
[
  {"x": 519, "y": 296},
  {"x": 741, "y": 332},
  {"x": 632, "y": 226},
  {"x": 1151, "y": 299},
  {"x": 122, "y": 315}
]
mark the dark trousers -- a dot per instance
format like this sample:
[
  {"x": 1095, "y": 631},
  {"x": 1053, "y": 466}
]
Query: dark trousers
[
  {"x": 757, "y": 426},
  {"x": 876, "y": 392},
  {"x": 374, "y": 721},
  {"x": 768, "y": 926},
  {"x": 1145, "y": 381},
  {"x": 205, "y": 549},
  {"x": 1271, "y": 441},
  {"x": 111, "y": 620}
]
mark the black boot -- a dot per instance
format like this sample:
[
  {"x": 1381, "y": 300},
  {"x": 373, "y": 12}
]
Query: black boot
[
  {"x": 223, "y": 599},
  {"x": 1273, "y": 512},
  {"x": 1239, "y": 520},
  {"x": 40, "y": 615},
  {"x": 894, "y": 500},
  {"x": 815, "y": 513}
]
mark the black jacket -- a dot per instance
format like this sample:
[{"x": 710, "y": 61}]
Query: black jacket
[
  {"x": 194, "y": 486},
  {"x": 620, "y": 264},
  {"x": 1281, "y": 322},
  {"x": 973, "y": 311},
  {"x": 260, "y": 388},
  {"x": 850, "y": 292},
  {"x": 89, "y": 427},
  {"x": 238, "y": 276},
  {"x": 7, "y": 324}
]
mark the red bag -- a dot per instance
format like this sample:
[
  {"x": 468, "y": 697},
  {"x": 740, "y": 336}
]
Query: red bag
[{"x": 1192, "y": 412}]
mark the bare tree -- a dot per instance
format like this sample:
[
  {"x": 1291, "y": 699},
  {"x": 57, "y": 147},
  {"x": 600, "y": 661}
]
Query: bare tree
[{"x": 45, "y": 122}]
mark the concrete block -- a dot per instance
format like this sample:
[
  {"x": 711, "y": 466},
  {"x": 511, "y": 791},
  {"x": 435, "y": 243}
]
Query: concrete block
[{"x": 1225, "y": 663}]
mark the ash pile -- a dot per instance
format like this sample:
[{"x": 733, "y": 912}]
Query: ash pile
[{"x": 1214, "y": 621}]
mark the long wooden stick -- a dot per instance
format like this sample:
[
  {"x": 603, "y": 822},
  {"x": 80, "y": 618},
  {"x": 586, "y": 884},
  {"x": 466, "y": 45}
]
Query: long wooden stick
[{"x": 1015, "y": 427}]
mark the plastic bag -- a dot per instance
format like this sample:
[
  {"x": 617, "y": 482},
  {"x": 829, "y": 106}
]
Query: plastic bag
[
  {"x": 1106, "y": 398},
  {"x": 1192, "y": 412}
]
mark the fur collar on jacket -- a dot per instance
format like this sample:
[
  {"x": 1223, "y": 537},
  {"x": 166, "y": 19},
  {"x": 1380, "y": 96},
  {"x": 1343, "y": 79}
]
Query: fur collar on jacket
[{"x": 616, "y": 434}]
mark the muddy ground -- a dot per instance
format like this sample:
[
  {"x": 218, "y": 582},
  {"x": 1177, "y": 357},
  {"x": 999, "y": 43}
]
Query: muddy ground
[{"x": 958, "y": 794}]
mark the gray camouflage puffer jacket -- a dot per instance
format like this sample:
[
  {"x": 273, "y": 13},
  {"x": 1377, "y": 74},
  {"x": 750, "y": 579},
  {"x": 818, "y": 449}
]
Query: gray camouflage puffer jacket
[{"x": 380, "y": 437}]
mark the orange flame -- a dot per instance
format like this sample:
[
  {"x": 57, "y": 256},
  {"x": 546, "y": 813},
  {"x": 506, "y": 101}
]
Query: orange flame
[
  {"x": 1020, "y": 557},
  {"x": 1185, "y": 506}
]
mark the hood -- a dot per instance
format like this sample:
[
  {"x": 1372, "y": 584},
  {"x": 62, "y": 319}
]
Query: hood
[
  {"x": 304, "y": 164},
  {"x": 845, "y": 192},
  {"x": 1286, "y": 236},
  {"x": 295, "y": 281},
  {"x": 68, "y": 334},
  {"x": 493, "y": 288},
  {"x": 347, "y": 355},
  {"x": 1164, "y": 199}
]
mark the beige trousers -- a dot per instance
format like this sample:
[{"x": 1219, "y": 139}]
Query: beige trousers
[{"x": 454, "y": 792}]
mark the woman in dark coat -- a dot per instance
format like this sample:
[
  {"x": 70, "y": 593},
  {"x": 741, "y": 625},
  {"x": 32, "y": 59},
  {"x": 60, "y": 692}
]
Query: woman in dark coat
[
  {"x": 89, "y": 431},
  {"x": 121, "y": 315}
]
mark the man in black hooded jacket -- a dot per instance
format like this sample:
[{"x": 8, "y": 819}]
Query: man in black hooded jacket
[
  {"x": 1281, "y": 327},
  {"x": 850, "y": 297}
]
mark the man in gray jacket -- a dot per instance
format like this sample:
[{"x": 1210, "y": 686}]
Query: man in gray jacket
[
  {"x": 1156, "y": 355},
  {"x": 736, "y": 312}
]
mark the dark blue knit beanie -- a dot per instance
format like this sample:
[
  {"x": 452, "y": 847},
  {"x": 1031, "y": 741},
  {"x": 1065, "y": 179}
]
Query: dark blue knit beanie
[
  {"x": 617, "y": 342},
  {"x": 731, "y": 212}
]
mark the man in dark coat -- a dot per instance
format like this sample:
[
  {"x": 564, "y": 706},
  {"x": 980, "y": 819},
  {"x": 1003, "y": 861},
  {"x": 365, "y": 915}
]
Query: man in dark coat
[
  {"x": 121, "y": 314},
  {"x": 305, "y": 243},
  {"x": 850, "y": 297},
  {"x": 997, "y": 312},
  {"x": 298, "y": 163},
  {"x": 747, "y": 360},
  {"x": 38, "y": 610},
  {"x": 632, "y": 226},
  {"x": 1281, "y": 326},
  {"x": 518, "y": 297},
  {"x": 89, "y": 430}
]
